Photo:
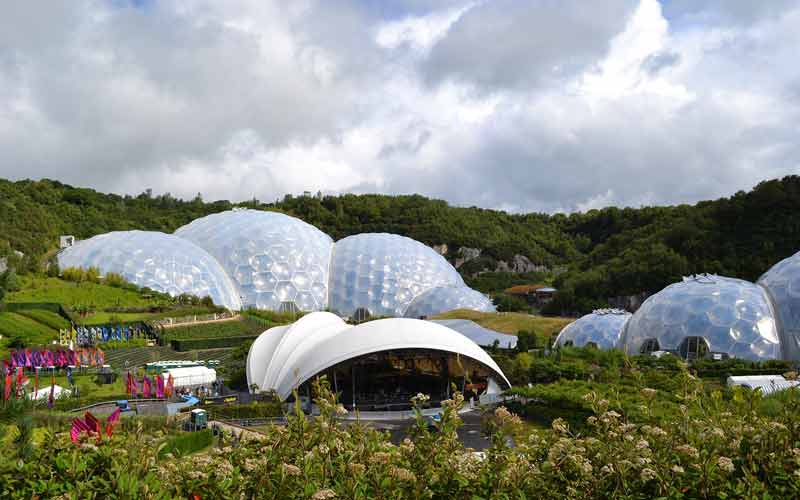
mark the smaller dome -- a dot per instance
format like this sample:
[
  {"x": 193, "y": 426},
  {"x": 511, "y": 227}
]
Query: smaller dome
[
  {"x": 162, "y": 262},
  {"x": 380, "y": 274},
  {"x": 706, "y": 314},
  {"x": 448, "y": 298},
  {"x": 602, "y": 328}
]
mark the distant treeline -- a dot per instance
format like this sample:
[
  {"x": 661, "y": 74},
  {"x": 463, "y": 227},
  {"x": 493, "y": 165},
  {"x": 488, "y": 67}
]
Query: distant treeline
[{"x": 608, "y": 252}]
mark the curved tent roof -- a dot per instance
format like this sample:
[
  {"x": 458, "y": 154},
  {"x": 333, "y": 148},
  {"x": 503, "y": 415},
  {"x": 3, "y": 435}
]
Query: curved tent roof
[{"x": 282, "y": 358}]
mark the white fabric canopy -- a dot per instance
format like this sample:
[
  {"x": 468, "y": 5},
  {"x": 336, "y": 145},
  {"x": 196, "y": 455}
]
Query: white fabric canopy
[
  {"x": 191, "y": 376},
  {"x": 284, "y": 357}
]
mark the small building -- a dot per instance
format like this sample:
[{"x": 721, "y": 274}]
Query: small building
[
  {"x": 767, "y": 383},
  {"x": 66, "y": 241},
  {"x": 191, "y": 377},
  {"x": 533, "y": 294}
]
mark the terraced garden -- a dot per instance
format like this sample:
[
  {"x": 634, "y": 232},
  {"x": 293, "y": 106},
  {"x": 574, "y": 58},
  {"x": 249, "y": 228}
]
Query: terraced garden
[{"x": 139, "y": 356}]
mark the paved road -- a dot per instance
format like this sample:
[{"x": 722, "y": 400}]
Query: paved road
[{"x": 469, "y": 433}]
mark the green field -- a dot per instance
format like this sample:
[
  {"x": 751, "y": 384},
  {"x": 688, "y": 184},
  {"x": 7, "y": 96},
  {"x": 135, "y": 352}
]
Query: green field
[
  {"x": 233, "y": 328},
  {"x": 140, "y": 356},
  {"x": 16, "y": 326},
  {"x": 71, "y": 295},
  {"x": 544, "y": 326},
  {"x": 45, "y": 317}
]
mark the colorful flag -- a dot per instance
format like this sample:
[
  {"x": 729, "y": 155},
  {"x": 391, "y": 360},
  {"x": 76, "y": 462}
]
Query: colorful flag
[
  {"x": 36, "y": 384},
  {"x": 159, "y": 386},
  {"x": 146, "y": 387},
  {"x": 168, "y": 390},
  {"x": 52, "y": 398},
  {"x": 7, "y": 388},
  {"x": 21, "y": 381},
  {"x": 134, "y": 387}
]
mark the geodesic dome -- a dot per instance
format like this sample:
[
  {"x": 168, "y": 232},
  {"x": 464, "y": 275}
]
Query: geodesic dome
[
  {"x": 447, "y": 298},
  {"x": 380, "y": 274},
  {"x": 782, "y": 282},
  {"x": 162, "y": 262},
  {"x": 602, "y": 327},
  {"x": 277, "y": 262},
  {"x": 706, "y": 313}
]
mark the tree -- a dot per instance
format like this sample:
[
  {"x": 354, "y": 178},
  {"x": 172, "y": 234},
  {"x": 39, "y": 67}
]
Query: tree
[{"x": 9, "y": 280}]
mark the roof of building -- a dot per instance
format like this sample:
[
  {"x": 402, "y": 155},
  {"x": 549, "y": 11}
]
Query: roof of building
[{"x": 284, "y": 357}]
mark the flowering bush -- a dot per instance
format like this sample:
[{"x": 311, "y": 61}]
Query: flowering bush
[{"x": 713, "y": 447}]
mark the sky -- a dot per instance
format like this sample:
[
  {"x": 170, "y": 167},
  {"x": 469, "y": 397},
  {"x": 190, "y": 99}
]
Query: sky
[{"x": 520, "y": 105}]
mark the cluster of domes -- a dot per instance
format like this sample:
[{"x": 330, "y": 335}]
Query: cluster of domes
[
  {"x": 705, "y": 315},
  {"x": 268, "y": 260}
]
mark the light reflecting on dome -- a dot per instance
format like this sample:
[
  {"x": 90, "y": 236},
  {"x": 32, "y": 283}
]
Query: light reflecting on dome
[
  {"x": 706, "y": 312},
  {"x": 782, "y": 282},
  {"x": 383, "y": 273},
  {"x": 276, "y": 261},
  {"x": 442, "y": 299},
  {"x": 162, "y": 262},
  {"x": 602, "y": 327}
]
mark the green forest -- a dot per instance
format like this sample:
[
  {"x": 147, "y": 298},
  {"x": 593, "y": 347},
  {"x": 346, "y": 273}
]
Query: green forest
[{"x": 607, "y": 253}]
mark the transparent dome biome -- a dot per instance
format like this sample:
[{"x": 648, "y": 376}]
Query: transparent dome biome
[
  {"x": 447, "y": 298},
  {"x": 704, "y": 315},
  {"x": 782, "y": 282},
  {"x": 379, "y": 274},
  {"x": 601, "y": 328},
  {"x": 277, "y": 262},
  {"x": 162, "y": 262}
]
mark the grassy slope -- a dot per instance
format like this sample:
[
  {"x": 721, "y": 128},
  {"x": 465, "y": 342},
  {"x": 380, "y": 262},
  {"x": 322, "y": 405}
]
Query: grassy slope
[
  {"x": 510, "y": 322},
  {"x": 47, "y": 318},
  {"x": 29, "y": 330},
  {"x": 38, "y": 289},
  {"x": 233, "y": 328}
]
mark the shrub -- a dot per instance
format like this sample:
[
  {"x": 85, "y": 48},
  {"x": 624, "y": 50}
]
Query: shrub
[{"x": 186, "y": 443}]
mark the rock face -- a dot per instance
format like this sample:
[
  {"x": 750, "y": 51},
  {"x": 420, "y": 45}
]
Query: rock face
[
  {"x": 520, "y": 264},
  {"x": 466, "y": 254}
]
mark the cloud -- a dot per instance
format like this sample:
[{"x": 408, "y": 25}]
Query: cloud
[{"x": 540, "y": 105}]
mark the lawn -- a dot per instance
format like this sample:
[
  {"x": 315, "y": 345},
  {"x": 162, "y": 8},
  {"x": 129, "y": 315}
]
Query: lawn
[
  {"x": 14, "y": 325},
  {"x": 70, "y": 294},
  {"x": 509, "y": 322}
]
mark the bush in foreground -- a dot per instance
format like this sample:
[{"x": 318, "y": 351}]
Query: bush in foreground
[{"x": 714, "y": 448}]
